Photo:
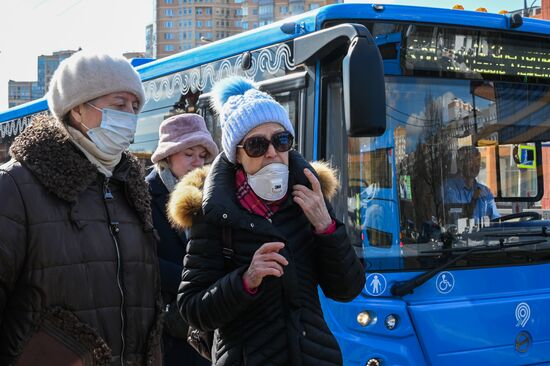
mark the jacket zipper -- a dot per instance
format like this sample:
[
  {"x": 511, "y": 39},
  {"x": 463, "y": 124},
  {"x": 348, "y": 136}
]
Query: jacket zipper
[{"x": 114, "y": 229}]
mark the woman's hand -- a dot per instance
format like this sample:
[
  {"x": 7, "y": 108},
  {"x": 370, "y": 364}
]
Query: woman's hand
[
  {"x": 265, "y": 262},
  {"x": 312, "y": 202}
]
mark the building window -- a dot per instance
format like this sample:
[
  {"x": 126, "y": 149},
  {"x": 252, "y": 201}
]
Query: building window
[
  {"x": 297, "y": 9},
  {"x": 313, "y": 6},
  {"x": 168, "y": 1},
  {"x": 208, "y": 11},
  {"x": 199, "y": 11},
  {"x": 245, "y": 25},
  {"x": 169, "y": 12},
  {"x": 168, "y": 24},
  {"x": 168, "y": 36},
  {"x": 255, "y": 11},
  {"x": 199, "y": 24},
  {"x": 283, "y": 9},
  {"x": 208, "y": 24},
  {"x": 266, "y": 10},
  {"x": 169, "y": 48}
]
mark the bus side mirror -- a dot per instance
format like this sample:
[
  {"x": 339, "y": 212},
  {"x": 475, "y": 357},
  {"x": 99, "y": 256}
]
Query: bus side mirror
[
  {"x": 364, "y": 89},
  {"x": 362, "y": 74}
]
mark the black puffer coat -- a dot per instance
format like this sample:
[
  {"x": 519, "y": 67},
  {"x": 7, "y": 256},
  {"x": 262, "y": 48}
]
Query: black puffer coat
[
  {"x": 171, "y": 250},
  {"x": 78, "y": 268},
  {"x": 283, "y": 323}
]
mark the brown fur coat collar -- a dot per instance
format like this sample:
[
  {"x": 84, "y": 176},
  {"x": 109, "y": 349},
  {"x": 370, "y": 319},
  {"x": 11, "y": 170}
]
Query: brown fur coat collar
[
  {"x": 45, "y": 149},
  {"x": 187, "y": 198}
]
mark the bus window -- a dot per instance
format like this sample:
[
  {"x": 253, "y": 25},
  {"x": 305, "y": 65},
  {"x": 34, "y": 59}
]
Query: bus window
[{"x": 446, "y": 140}]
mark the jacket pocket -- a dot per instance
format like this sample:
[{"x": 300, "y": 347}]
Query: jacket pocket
[{"x": 62, "y": 339}]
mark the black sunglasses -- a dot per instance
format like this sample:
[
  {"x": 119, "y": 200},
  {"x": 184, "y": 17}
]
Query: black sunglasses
[{"x": 257, "y": 146}]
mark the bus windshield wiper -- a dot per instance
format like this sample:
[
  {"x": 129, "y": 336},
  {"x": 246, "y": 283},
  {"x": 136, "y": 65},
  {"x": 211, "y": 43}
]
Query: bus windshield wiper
[{"x": 407, "y": 287}]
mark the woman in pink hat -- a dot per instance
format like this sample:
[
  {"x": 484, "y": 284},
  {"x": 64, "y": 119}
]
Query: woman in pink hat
[{"x": 185, "y": 144}]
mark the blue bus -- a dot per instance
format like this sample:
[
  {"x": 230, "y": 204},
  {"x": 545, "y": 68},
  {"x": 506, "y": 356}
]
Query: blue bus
[{"x": 443, "y": 157}]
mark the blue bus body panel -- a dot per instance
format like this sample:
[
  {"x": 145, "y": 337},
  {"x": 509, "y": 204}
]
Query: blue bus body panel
[
  {"x": 231, "y": 46},
  {"x": 358, "y": 344},
  {"x": 23, "y": 110},
  {"x": 314, "y": 20},
  {"x": 400, "y": 13},
  {"x": 471, "y": 322}
]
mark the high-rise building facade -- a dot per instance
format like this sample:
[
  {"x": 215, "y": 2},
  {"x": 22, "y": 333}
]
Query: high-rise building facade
[
  {"x": 183, "y": 24},
  {"x": 20, "y": 92},
  {"x": 150, "y": 41},
  {"x": 544, "y": 12},
  {"x": 47, "y": 64}
]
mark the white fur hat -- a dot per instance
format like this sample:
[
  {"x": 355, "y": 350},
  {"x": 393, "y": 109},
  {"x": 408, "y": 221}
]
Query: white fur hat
[{"x": 85, "y": 76}]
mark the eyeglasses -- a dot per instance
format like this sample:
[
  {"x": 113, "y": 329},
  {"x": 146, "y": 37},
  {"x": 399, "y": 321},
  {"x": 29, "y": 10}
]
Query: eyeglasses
[{"x": 257, "y": 146}]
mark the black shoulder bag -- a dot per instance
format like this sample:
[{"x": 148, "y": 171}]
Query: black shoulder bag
[{"x": 200, "y": 340}]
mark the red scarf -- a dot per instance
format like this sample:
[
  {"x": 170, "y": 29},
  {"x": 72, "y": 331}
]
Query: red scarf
[{"x": 250, "y": 201}]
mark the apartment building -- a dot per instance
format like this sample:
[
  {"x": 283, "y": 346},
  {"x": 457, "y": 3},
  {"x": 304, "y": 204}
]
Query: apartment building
[{"x": 183, "y": 24}]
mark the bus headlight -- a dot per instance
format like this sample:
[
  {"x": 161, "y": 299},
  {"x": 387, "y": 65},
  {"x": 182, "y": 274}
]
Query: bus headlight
[{"x": 365, "y": 318}]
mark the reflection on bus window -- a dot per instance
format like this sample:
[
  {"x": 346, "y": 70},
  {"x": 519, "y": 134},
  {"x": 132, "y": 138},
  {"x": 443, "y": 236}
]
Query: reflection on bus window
[{"x": 466, "y": 155}]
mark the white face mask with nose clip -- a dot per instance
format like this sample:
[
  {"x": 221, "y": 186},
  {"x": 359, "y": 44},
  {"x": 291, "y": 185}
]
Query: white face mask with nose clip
[
  {"x": 271, "y": 182},
  {"x": 116, "y": 131}
]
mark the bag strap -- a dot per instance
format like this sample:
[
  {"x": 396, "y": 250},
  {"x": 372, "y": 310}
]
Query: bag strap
[{"x": 227, "y": 250}]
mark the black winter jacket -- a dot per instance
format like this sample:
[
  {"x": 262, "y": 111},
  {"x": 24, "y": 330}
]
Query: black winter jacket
[
  {"x": 171, "y": 247},
  {"x": 78, "y": 267},
  {"x": 171, "y": 250},
  {"x": 283, "y": 323}
]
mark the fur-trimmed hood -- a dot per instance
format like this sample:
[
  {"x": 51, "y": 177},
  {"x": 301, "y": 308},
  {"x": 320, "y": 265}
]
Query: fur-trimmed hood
[
  {"x": 45, "y": 149},
  {"x": 187, "y": 198}
]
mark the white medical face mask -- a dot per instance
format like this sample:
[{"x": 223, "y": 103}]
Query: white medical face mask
[
  {"x": 271, "y": 182},
  {"x": 116, "y": 131}
]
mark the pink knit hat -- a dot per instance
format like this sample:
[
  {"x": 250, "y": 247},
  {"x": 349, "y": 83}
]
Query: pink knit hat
[{"x": 181, "y": 132}]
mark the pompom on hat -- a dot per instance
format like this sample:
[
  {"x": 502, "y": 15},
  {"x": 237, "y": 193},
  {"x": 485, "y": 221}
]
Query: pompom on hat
[
  {"x": 181, "y": 132},
  {"x": 242, "y": 107},
  {"x": 86, "y": 76}
]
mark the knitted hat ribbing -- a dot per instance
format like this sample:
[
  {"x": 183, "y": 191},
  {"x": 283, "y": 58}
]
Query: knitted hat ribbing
[{"x": 242, "y": 107}]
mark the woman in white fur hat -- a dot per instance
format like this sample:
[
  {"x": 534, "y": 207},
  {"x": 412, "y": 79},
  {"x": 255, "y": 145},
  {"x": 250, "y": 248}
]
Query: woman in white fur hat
[{"x": 79, "y": 280}]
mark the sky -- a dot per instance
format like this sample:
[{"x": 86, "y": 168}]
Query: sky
[{"x": 30, "y": 28}]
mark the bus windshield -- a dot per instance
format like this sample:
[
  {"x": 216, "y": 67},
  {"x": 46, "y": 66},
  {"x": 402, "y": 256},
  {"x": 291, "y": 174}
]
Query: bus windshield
[
  {"x": 458, "y": 159},
  {"x": 464, "y": 161}
]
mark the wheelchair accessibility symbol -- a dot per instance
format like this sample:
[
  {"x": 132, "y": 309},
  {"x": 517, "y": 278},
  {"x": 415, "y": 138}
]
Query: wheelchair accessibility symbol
[{"x": 445, "y": 282}]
